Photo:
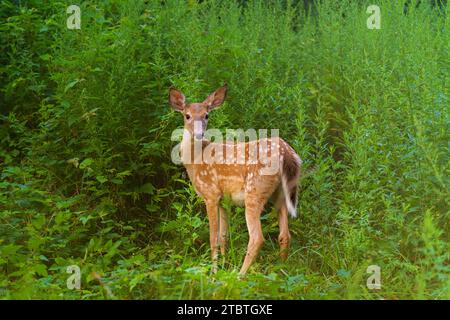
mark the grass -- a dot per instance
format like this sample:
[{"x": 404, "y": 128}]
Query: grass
[{"x": 86, "y": 176}]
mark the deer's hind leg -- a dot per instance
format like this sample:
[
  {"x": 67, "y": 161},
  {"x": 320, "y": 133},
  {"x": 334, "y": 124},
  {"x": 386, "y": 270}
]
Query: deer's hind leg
[
  {"x": 284, "y": 238},
  {"x": 253, "y": 209},
  {"x": 255, "y": 200}
]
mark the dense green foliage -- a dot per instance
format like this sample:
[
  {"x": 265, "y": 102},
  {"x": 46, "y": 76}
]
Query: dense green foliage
[{"x": 86, "y": 175}]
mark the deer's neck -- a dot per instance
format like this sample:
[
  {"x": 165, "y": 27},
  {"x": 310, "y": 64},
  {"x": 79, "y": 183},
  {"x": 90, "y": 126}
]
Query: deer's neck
[{"x": 192, "y": 150}]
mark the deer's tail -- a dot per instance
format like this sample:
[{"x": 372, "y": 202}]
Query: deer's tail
[{"x": 290, "y": 174}]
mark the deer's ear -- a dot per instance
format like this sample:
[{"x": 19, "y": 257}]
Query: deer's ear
[
  {"x": 177, "y": 99},
  {"x": 216, "y": 98}
]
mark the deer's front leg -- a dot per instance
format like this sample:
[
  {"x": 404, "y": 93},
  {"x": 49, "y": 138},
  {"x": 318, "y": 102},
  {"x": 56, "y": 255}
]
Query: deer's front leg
[
  {"x": 212, "y": 208},
  {"x": 223, "y": 231}
]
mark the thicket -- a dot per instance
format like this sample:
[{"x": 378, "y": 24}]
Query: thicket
[{"x": 85, "y": 128}]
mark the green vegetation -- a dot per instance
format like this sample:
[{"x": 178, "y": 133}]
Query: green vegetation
[{"x": 85, "y": 128}]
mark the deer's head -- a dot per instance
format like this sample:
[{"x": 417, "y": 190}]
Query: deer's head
[{"x": 196, "y": 114}]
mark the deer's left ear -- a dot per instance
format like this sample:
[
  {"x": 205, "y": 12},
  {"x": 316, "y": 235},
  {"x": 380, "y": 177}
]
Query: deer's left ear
[{"x": 216, "y": 98}]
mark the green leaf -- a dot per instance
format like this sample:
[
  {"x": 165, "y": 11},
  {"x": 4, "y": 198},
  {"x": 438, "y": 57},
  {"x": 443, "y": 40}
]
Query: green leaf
[
  {"x": 343, "y": 273},
  {"x": 147, "y": 188},
  {"x": 86, "y": 163},
  {"x": 123, "y": 174},
  {"x": 85, "y": 219},
  {"x": 39, "y": 221},
  {"x": 117, "y": 181},
  {"x": 152, "y": 207},
  {"x": 41, "y": 269},
  {"x": 45, "y": 57},
  {"x": 101, "y": 179},
  {"x": 66, "y": 203},
  {"x": 71, "y": 85},
  {"x": 61, "y": 261}
]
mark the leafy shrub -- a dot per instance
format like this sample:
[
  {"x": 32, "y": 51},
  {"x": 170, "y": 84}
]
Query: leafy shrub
[{"x": 86, "y": 176}]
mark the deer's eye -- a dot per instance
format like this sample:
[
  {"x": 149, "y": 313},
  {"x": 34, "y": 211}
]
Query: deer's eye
[
  {"x": 206, "y": 116},
  {"x": 188, "y": 117}
]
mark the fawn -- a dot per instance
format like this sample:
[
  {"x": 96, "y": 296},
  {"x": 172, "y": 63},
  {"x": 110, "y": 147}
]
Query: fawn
[{"x": 243, "y": 182}]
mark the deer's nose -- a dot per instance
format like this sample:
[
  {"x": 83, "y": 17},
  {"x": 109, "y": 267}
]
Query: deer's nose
[
  {"x": 198, "y": 130},
  {"x": 198, "y": 136}
]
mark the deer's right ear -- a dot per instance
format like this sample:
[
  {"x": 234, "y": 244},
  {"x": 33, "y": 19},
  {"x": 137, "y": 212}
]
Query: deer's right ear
[{"x": 177, "y": 99}]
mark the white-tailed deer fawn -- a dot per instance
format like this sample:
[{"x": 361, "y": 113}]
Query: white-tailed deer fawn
[{"x": 244, "y": 181}]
